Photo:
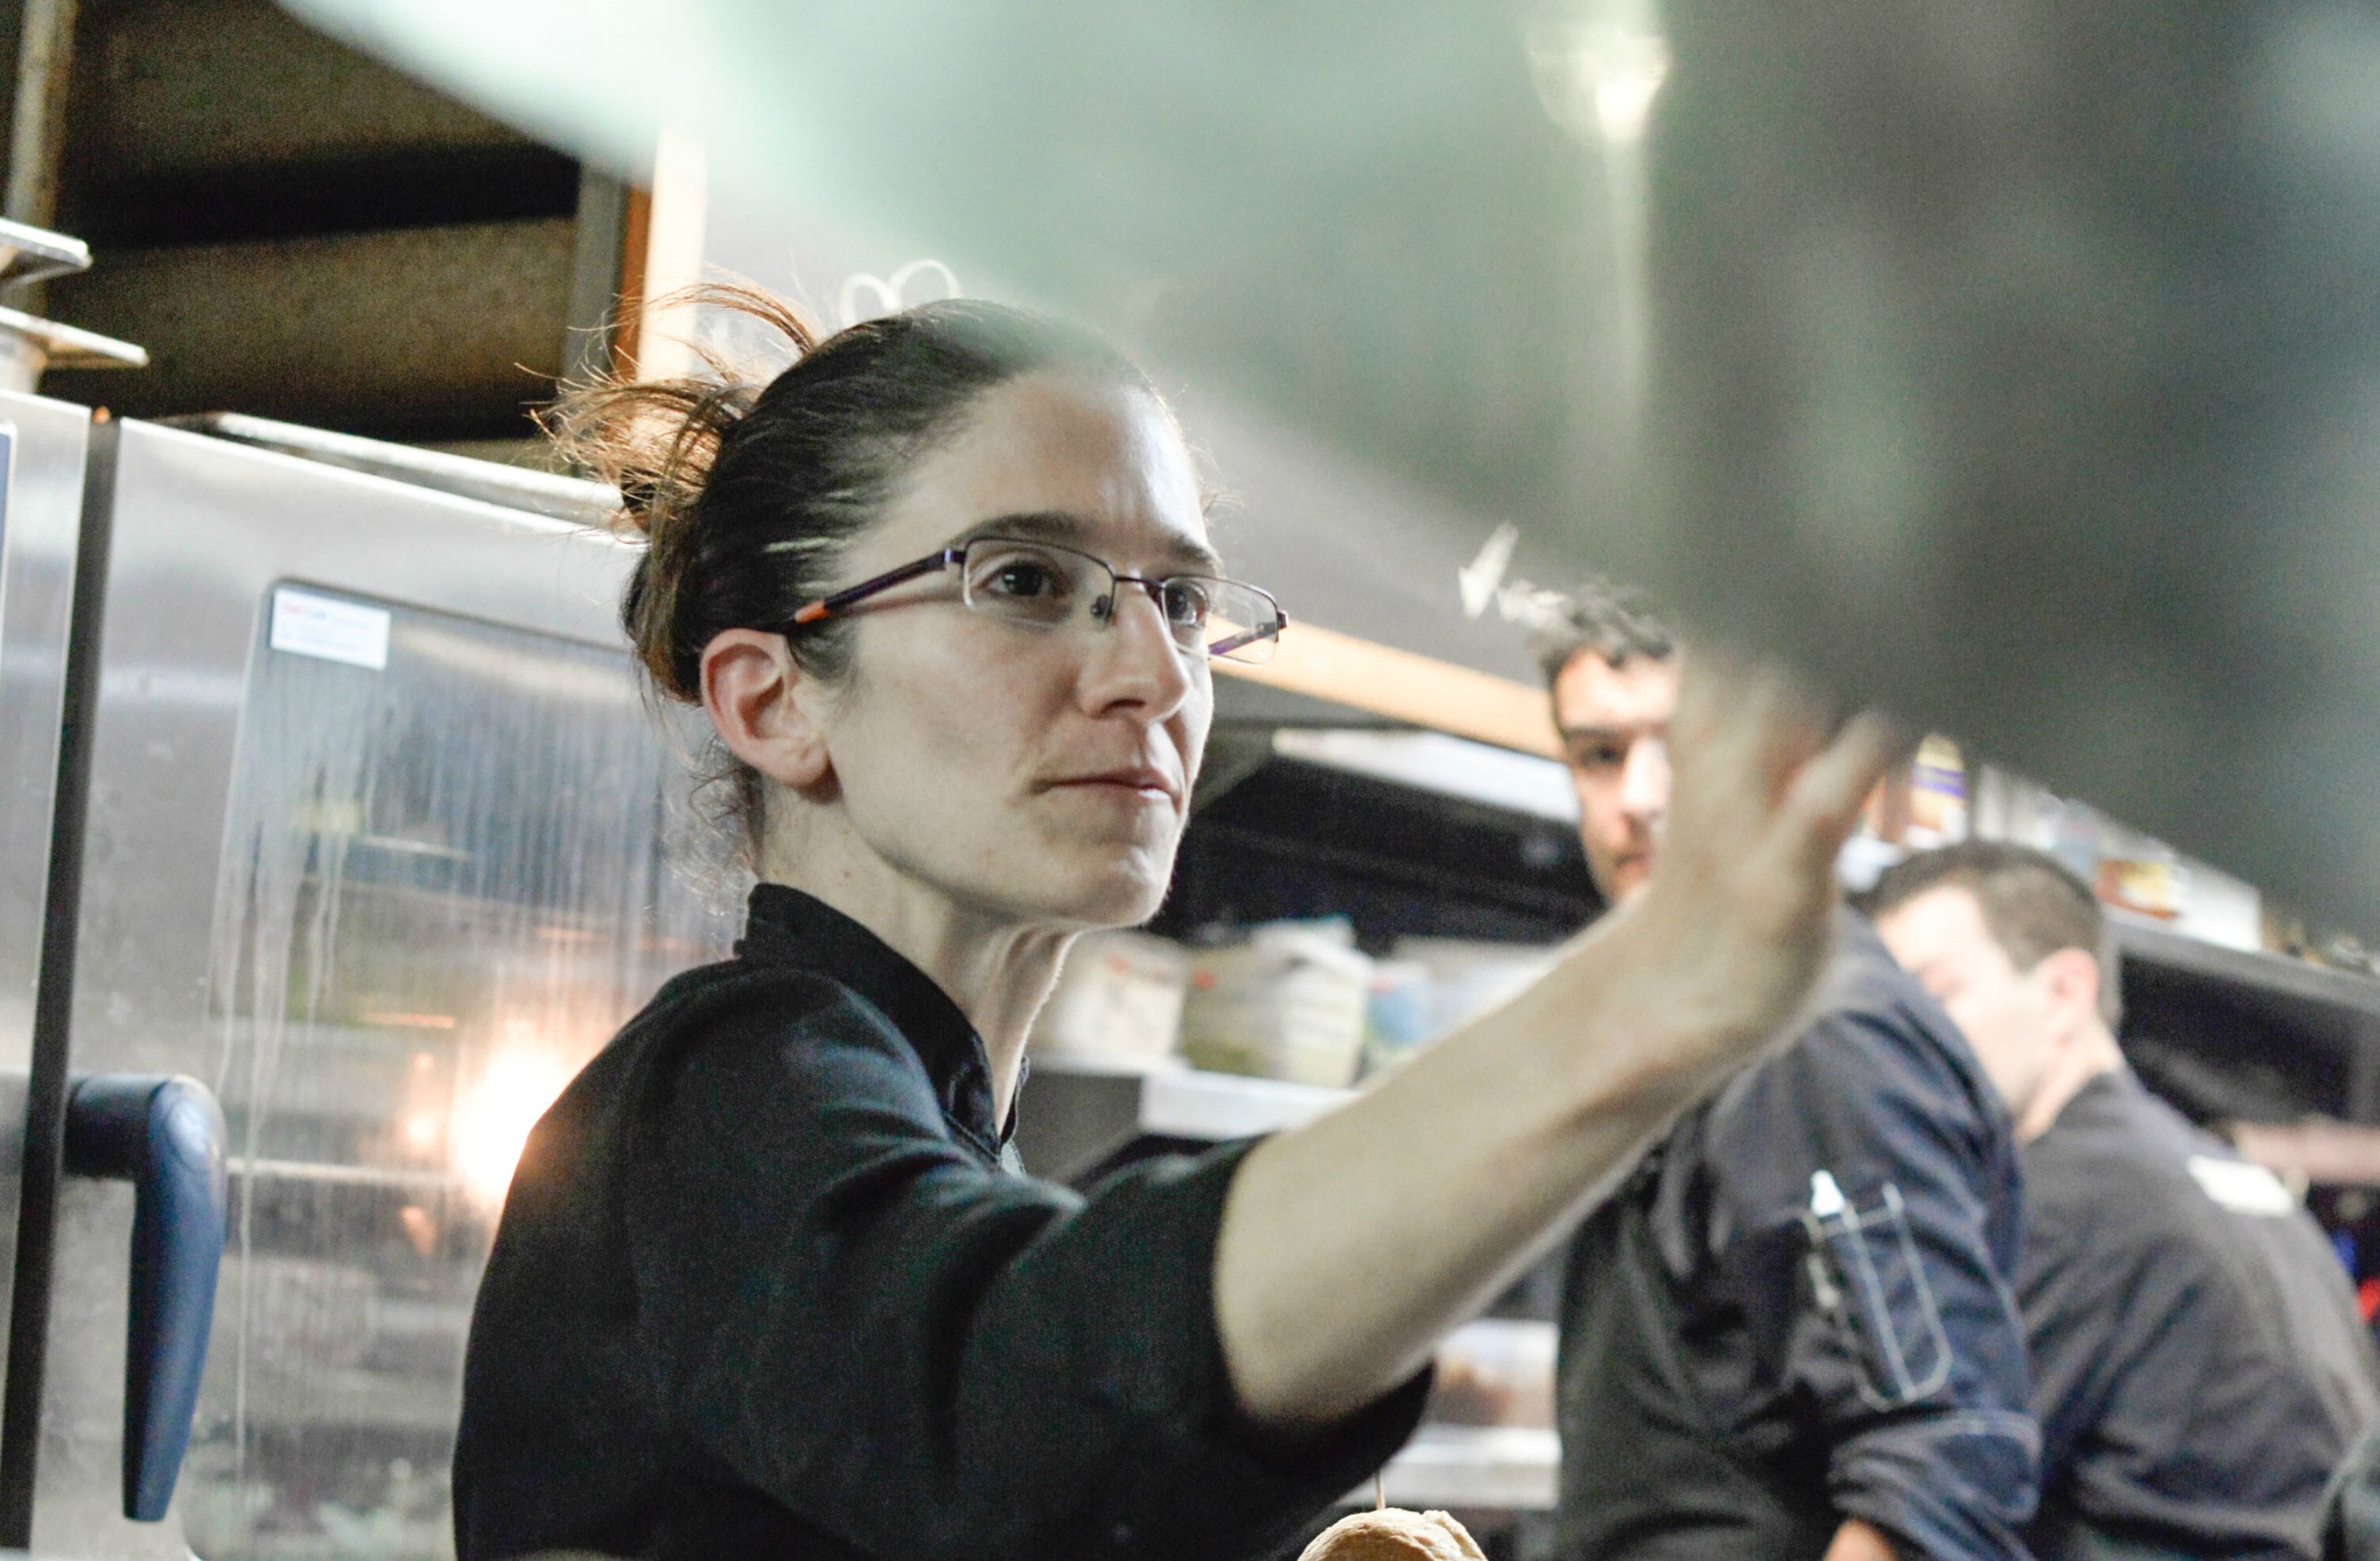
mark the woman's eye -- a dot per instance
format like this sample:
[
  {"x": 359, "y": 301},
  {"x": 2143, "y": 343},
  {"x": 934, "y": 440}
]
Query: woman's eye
[
  {"x": 1186, "y": 604},
  {"x": 1024, "y": 580}
]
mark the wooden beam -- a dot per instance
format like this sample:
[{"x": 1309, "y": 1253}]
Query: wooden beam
[
  {"x": 673, "y": 224},
  {"x": 660, "y": 253},
  {"x": 1325, "y": 664}
]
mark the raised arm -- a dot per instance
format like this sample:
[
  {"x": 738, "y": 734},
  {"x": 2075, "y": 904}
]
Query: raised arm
[{"x": 1349, "y": 1247}]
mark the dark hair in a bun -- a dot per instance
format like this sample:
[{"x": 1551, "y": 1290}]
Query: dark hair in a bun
[{"x": 747, "y": 492}]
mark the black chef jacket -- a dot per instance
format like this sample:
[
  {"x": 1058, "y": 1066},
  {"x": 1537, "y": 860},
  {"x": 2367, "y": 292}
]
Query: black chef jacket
[
  {"x": 1798, "y": 1310},
  {"x": 764, "y": 1289},
  {"x": 2200, "y": 1366}
]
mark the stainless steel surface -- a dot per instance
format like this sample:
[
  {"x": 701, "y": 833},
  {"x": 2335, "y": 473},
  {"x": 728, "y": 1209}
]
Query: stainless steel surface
[
  {"x": 563, "y": 498},
  {"x": 33, "y": 254},
  {"x": 31, "y": 345},
  {"x": 40, "y": 522},
  {"x": 2016, "y": 359},
  {"x": 28, "y": 344},
  {"x": 426, "y": 328},
  {"x": 382, "y": 872},
  {"x": 44, "y": 54},
  {"x": 68, "y": 346}
]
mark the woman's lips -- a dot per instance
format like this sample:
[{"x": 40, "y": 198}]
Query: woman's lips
[{"x": 1151, "y": 784}]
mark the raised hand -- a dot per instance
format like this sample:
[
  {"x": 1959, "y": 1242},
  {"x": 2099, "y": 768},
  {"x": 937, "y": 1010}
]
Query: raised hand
[
  {"x": 1350, "y": 1244},
  {"x": 1731, "y": 930}
]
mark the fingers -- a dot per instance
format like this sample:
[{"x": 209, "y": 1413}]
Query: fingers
[
  {"x": 1823, "y": 803},
  {"x": 1742, "y": 732},
  {"x": 1757, "y": 775},
  {"x": 1764, "y": 799}
]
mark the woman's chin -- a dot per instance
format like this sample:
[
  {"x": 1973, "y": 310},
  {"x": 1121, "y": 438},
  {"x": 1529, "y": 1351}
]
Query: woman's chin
[
  {"x": 1119, "y": 892},
  {"x": 1124, "y": 907}
]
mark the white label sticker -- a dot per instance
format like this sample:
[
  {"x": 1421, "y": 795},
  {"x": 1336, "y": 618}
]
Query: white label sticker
[
  {"x": 2240, "y": 1187},
  {"x": 326, "y": 627}
]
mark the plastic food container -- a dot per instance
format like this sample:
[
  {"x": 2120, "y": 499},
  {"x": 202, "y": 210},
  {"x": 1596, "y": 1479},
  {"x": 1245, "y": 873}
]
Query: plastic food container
[
  {"x": 1288, "y": 1004},
  {"x": 1118, "y": 1000}
]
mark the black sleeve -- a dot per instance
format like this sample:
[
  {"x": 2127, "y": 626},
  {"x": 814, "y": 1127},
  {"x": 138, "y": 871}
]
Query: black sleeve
[
  {"x": 2351, "y": 1521},
  {"x": 931, "y": 1358},
  {"x": 1871, "y": 1199}
]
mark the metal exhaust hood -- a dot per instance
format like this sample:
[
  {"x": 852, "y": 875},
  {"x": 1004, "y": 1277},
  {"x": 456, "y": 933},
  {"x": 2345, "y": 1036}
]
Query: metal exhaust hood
[{"x": 2015, "y": 363}]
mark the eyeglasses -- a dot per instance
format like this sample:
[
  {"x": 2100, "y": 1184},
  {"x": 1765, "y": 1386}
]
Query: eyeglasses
[{"x": 1043, "y": 585}]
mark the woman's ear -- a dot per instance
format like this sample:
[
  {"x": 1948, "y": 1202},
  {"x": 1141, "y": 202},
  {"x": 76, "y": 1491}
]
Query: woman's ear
[{"x": 756, "y": 697}]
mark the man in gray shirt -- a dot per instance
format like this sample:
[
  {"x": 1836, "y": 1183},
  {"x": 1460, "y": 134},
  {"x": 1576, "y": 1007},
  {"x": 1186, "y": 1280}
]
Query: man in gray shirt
[{"x": 2199, "y": 1364}]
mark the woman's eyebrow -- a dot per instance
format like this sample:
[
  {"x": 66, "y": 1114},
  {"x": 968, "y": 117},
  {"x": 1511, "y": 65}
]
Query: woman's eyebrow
[
  {"x": 1071, "y": 530},
  {"x": 1034, "y": 525}
]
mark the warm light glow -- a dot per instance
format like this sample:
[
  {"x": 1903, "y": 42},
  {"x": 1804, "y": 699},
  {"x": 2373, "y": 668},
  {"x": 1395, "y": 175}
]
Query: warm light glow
[
  {"x": 1623, "y": 102},
  {"x": 421, "y": 1227},
  {"x": 422, "y": 1130},
  {"x": 1599, "y": 81},
  {"x": 494, "y": 1118}
]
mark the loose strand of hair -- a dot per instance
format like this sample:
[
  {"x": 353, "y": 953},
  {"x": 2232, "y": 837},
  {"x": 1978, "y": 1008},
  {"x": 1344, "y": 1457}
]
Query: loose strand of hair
[{"x": 657, "y": 441}]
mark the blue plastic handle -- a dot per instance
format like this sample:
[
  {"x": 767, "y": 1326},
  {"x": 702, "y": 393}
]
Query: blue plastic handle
[{"x": 166, "y": 1136}]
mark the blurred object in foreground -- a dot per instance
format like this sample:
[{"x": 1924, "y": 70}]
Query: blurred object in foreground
[
  {"x": 2010, "y": 363},
  {"x": 2026, "y": 351}
]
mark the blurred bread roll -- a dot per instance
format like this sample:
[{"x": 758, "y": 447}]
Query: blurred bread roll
[{"x": 1394, "y": 1534}]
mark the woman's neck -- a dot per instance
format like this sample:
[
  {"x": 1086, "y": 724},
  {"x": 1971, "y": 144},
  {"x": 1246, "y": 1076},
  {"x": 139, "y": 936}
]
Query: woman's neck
[{"x": 998, "y": 970}]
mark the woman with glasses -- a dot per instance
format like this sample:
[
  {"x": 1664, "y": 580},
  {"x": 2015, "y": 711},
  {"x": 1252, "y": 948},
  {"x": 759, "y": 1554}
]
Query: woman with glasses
[{"x": 769, "y": 1281}]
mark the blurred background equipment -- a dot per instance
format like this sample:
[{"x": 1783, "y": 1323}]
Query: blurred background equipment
[
  {"x": 378, "y": 841},
  {"x": 2029, "y": 348}
]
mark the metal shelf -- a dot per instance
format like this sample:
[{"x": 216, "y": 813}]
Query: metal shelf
[
  {"x": 2276, "y": 980},
  {"x": 33, "y": 254},
  {"x": 1432, "y": 761},
  {"x": 1186, "y": 1103},
  {"x": 544, "y": 493},
  {"x": 1078, "y": 1113}
]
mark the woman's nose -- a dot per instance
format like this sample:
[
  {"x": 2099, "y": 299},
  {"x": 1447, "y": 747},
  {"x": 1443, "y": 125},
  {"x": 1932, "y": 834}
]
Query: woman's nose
[{"x": 1133, "y": 657}]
